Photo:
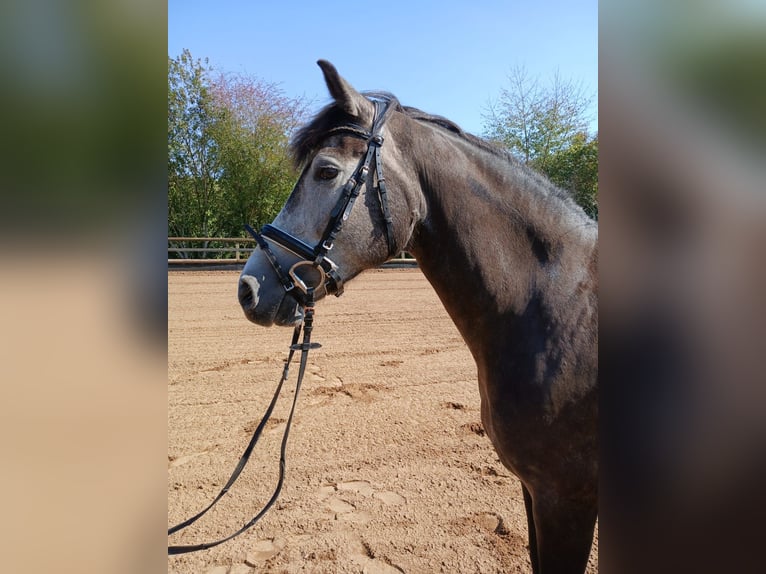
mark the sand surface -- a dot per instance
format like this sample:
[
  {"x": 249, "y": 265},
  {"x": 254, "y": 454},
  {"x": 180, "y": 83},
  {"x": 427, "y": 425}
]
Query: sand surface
[{"x": 388, "y": 467}]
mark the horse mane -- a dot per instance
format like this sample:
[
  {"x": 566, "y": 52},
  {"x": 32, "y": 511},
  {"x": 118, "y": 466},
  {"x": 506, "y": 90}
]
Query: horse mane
[
  {"x": 489, "y": 147},
  {"x": 307, "y": 140}
]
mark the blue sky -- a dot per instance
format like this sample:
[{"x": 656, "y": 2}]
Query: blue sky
[{"x": 444, "y": 57}]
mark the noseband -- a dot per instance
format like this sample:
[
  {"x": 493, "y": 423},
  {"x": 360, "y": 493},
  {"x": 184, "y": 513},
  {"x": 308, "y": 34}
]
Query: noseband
[{"x": 316, "y": 257}]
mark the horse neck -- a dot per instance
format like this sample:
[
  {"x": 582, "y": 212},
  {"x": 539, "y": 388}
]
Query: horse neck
[{"x": 497, "y": 240}]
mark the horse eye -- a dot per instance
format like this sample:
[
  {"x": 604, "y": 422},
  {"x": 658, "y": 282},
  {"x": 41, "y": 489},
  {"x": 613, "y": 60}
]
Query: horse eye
[{"x": 327, "y": 173}]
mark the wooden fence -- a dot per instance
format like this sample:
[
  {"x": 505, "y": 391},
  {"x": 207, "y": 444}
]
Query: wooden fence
[
  {"x": 209, "y": 250},
  {"x": 227, "y": 251}
]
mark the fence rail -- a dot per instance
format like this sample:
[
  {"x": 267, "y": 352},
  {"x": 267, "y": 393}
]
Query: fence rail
[{"x": 237, "y": 251}]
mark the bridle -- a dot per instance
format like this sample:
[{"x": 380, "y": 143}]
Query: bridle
[
  {"x": 316, "y": 257},
  {"x": 329, "y": 276}
]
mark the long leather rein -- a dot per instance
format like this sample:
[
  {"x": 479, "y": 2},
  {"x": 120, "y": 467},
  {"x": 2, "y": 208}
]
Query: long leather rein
[{"x": 304, "y": 347}]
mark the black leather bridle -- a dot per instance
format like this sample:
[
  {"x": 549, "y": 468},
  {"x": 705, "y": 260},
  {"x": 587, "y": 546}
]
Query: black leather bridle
[
  {"x": 316, "y": 257},
  {"x": 330, "y": 277}
]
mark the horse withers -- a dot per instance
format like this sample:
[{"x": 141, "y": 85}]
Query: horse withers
[{"x": 512, "y": 258}]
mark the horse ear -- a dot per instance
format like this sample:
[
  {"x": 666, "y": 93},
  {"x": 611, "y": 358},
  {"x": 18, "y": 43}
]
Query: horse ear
[{"x": 345, "y": 95}]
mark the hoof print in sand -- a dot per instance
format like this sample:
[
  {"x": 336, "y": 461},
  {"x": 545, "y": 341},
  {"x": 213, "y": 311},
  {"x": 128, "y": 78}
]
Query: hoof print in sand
[
  {"x": 347, "y": 511},
  {"x": 390, "y": 498},
  {"x": 339, "y": 506},
  {"x": 361, "y": 486},
  {"x": 263, "y": 550}
]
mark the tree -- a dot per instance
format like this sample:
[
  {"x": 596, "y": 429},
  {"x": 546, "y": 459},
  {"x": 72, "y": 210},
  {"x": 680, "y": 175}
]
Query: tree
[
  {"x": 228, "y": 158},
  {"x": 193, "y": 162},
  {"x": 535, "y": 122},
  {"x": 255, "y": 121},
  {"x": 547, "y": 129},
  {"x": 576, "y": 168}
]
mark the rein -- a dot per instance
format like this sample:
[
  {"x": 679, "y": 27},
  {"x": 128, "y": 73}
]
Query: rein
[{"x": 304, "y": 347}]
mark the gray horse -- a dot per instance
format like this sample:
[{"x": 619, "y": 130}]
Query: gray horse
[{"x": 512, "y": 258}]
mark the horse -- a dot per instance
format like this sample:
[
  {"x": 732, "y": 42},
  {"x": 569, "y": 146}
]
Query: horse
[{"x": 512, "y": 258}]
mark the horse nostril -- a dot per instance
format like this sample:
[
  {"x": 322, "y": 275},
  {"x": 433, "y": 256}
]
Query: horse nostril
[
  {"x": 245, "y": 294},
  {"x": 248, "y": 292}
]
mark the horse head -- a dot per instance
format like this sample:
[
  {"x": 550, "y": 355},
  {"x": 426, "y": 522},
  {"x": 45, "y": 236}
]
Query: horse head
[{"x": 318, "y": 241}]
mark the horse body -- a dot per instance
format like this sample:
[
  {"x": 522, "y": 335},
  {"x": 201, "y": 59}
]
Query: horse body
[
  {"x": 513, "y": 260},
  {"x": 516, "y": 273}
]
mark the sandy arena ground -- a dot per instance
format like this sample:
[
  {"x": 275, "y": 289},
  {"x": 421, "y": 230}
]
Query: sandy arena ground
[{"x": 388, "y": 467}]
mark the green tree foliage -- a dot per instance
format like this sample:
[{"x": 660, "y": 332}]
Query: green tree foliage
[
  {"x": 576, "y": 168},
  {"x": 546, "y": 127},
  {"x": 193, "y": 161},
  {"x": 228, "y": 160},
  {"x": 254, "y": 123}
]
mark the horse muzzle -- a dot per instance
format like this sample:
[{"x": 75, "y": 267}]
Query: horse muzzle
[{"x": 267, "y": 307}]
